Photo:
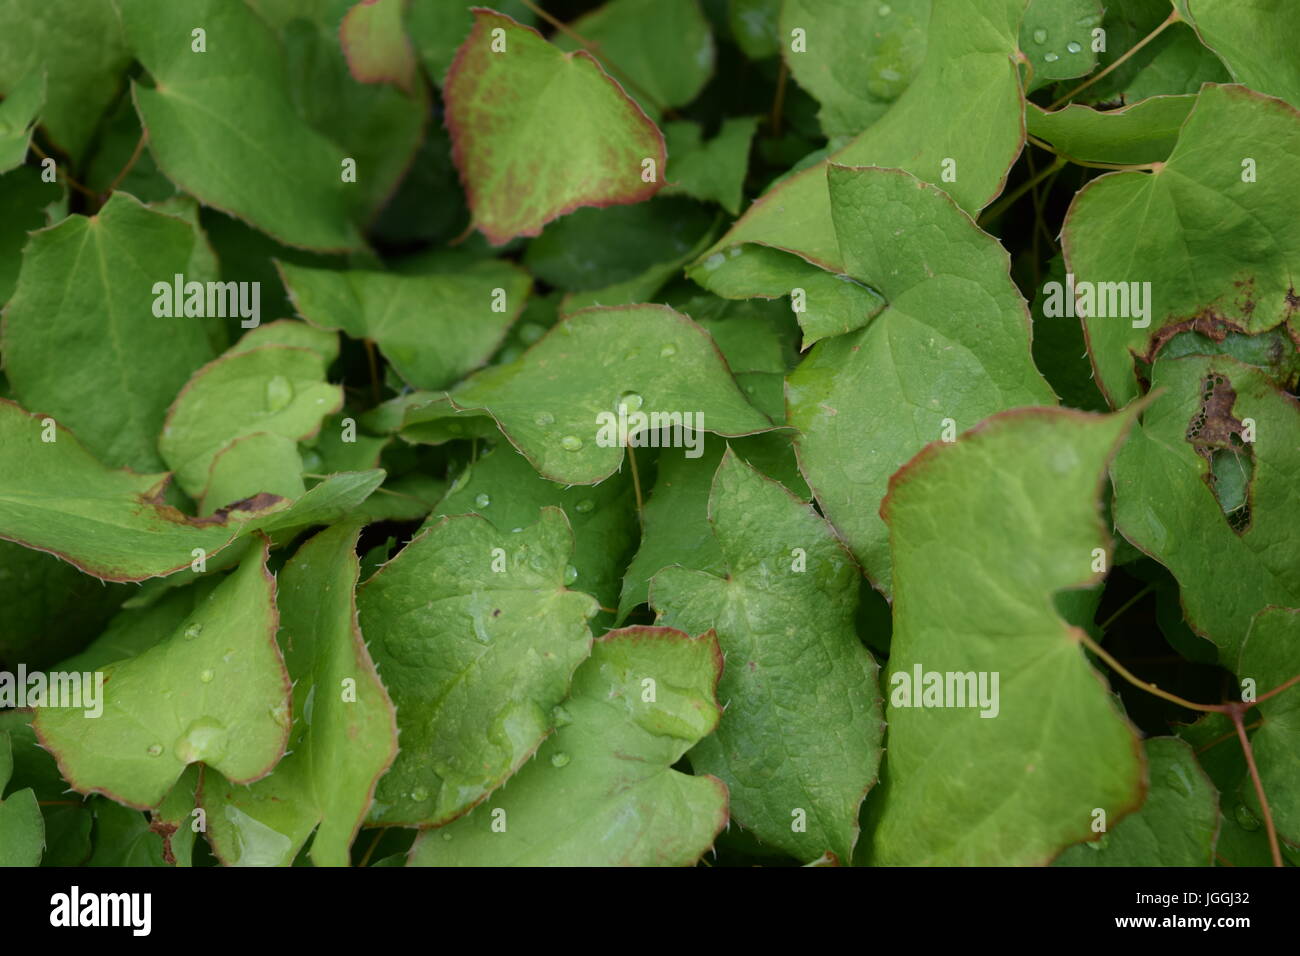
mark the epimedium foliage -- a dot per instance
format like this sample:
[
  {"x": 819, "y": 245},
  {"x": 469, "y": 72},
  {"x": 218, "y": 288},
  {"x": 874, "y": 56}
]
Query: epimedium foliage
[{"x": 781, "y": 432}]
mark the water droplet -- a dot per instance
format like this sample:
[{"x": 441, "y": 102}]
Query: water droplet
[
  {"x": 559, "y": 759},
  {"x": 1040, "y": 36},
  {"x": 543, "y": 419},
  {"x": 280, "y": 714},
  {"x": 446, "y": 835},
  {"x": 204, "y": 739},
  {"x": 668, "y": 351},
  {"x": 167, "y": 695},
  {"x": 561, "y": 717},
  {"x": 885, "y": 10},
  {"x": 482, "y": 500},
  {"x": 1050, "y": 57},
  {"x": 714, "y": 261},
  {"x": 530, "y": 332},
  {"x": 584, "y": 506},
  {"x": 570, "y": 574},
  {"x": 154, "y": 750},
  {"x": 193, "y": 631},
  {"x": 1247, "y": 819},
  {"x": 207, "y": 675},
  {"x": 279, "y": 393},
  {"x": 630, "y": 401},
  {"x": 228, "y": 656},
  {"x": 1073, "y": 47},
  {"x": 570, "y": 442},
  {"x": 419, "y": 794}
]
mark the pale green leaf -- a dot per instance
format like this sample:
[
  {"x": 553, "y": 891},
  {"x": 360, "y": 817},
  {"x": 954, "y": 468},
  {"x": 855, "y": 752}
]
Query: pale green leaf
[
  {"x": 1256, "y": 40},
  {"x": 216, "y": 691},
  {"x": 799, "y": 742},
  {"x": 222, "y": 127},
  {"x": 344, "y": 733},
  {"x": 81, "y": 339},
  {"x": 951, "y": 348},
  {"x": 1145, "y": 132},
  {"x": 1270, "y": 656},
  {"x": 559, "y": 402},
  {"x": 465, "y": 312},
  {"x": 602, "y": 791},
  {"x": 475, "y": 658},
  {"x": 1011, "y": 772},
  {"x": 276, "y": 389},
  {"x": 858, "y": 56},
  {"x": 712, "y": 170},
  {"x": 18, "y": 113},
  {"x": 1214, "y": 241}
]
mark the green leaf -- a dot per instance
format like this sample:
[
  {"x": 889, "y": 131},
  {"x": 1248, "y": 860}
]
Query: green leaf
[
  {"x": 1166, "y": 504},
  {"x": 968, "y": 81},
  {"x": 920, "y": 366},
  {"x": 18, "y": 114},
  {"x": 438, "y": 27},
  {"x": 660, "y": 50},
  {"x": 222, "y": 127},
  {"x": 602, "y": 791},
  {"x": 1019, "y": 786},
  {"x": 1056, "y": 39},
  {"x": 1270, "y": 656},
  {"x": 714, "y": 170},
  {"x": 1174, "y": 62},
  {"x": 22, "y": 831},
  {"x": 556, "y": 403},
  {"x": 78, "y": 45},
  {"x": 81, "y": 339},
  {"x": 377, "y": 125},
  {"x": 216, "y": 691},
  {"x": 1256, "y": 39},
  {"x": 67, "y": 823},
  {"x": 23, "y": 198},
  {"x": 260, "y": 463},
  {"x": 1218, "y": 250},
  {"x": 465, "y": 312},
  {"x": 37, "y": 588},
  {"x": 858, "y": 57},
  {"x": 754, "y": 26},
  {"x": 826, "y": 303},
  {"x": 594, "y": 248},
  {"x": 276, "y": 389},
  {"x": 518, "y": 179},
  {"x": 344, "y": 733},
  {"x": 1145, "y": 132},
  {"x": 1177, "y": 825},
  {"x": 799, "y": 743},
  {"x": 475, "y": 658},
  {"x": 503, "y": 488}
]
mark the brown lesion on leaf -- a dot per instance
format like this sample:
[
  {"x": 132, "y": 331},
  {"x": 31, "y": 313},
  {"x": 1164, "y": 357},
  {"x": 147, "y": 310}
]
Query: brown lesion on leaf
[
  {"x": 1209, "y": 322},
  {"x": 165, "y": 830},
  {"x": 1215, "y": 433}
]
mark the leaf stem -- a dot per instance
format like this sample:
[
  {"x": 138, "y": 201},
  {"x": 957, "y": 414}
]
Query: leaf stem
[
  {"x": 66, "y": 178},
  {"x": 1125, "y": 673},
  {"x": 1239, "y": 724},
  {"x": 375, "y": 393},
  {"x": 636, "y": 487},
  {"x": 130, "y": 164},
  {"x": 778, "y": 100},
  {"x": 1010, "y": 198},
  {"x": 1105, "y": 625},
  {"x": 1122, "y": 167},
  {"x": 379, "y": 833},
  {"x": 1169, "y": 21}
]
